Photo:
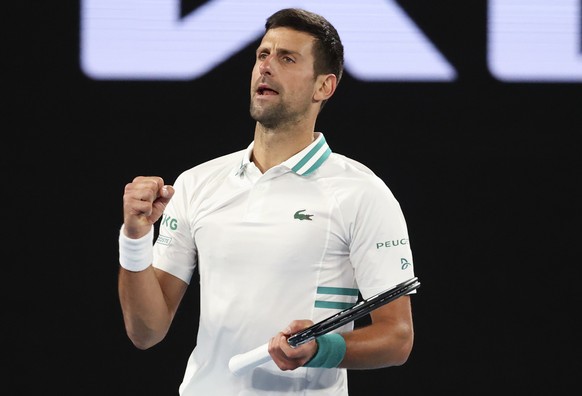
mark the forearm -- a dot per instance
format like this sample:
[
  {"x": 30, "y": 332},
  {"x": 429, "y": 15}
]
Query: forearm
[
  {"x": 386, "y": 342},
  {"x": 146, "y": 314},
  {"x": 367, "y": 348}
]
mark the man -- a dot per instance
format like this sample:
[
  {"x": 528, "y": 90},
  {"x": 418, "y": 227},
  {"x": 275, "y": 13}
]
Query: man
[{"x": 283, "y": 234}]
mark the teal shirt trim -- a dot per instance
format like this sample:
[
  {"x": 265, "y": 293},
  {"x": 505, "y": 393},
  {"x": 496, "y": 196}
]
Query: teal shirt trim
[
  {"x": 310, "y": 155},
  {"x": 337, "y": 291}
]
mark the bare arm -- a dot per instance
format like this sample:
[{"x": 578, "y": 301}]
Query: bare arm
[
  {"x": 387, "y": 341},
  {"x": 149, "y": 298}
]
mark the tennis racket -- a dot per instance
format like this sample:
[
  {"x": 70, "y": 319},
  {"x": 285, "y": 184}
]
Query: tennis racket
[{"x": 242, "y": 363}]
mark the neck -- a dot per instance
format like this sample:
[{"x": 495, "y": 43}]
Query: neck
[{"x": 274, "y": 146}]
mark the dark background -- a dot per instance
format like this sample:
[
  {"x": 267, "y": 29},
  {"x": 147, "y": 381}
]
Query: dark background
[{"x": 487, "y": 174}]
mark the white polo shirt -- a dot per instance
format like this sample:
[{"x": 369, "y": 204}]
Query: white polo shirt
[{"x": 297, "y": 242}]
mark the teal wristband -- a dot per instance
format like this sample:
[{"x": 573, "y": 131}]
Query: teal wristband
[{"x": 330, "y": 351}]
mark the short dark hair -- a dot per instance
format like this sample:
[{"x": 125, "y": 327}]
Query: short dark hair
[{"x": 328, "y": 49}]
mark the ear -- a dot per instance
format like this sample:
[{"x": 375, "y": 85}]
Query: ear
[{"x": 325, "y": 87}]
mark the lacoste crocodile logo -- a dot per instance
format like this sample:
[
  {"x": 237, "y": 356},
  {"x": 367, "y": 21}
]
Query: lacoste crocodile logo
[{"x": 301, "y": 216}]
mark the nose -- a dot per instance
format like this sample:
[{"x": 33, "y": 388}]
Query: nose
[{"x": 265, "y": 65}]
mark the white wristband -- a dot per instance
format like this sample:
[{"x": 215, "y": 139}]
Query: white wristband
[{"x": 136, "y": 254}]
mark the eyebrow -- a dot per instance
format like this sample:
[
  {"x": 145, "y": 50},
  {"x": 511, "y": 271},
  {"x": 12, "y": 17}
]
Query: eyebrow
[{"x": 281, "y": 51}]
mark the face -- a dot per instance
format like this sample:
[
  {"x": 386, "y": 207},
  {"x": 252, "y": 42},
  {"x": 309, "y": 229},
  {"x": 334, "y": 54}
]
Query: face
[{"x": 283, "y": 81}]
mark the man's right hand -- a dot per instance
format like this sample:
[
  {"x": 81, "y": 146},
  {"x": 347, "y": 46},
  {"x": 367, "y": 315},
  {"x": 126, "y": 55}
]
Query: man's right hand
[{"x": 144, "y": 201}]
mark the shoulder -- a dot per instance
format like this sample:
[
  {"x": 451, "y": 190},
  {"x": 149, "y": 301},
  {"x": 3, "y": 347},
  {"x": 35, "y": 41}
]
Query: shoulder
[
  {"x": 351, "y": 179},
  {"x": 350, "y": 164},
  {"x": 361, "y": 196},
  {"x": 348, "y": 170},
  {"x": 216, "y": 168}
]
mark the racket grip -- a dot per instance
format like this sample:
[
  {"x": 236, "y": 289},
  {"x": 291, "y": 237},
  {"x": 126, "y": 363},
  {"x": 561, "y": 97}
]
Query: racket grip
[{"x": 243, "y": 362}]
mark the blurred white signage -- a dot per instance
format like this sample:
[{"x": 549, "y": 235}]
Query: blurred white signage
[
  {"x": 535, "y": 40},
  {"x": 530, "y": 40}
]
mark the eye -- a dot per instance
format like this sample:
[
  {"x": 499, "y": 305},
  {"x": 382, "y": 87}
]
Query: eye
[
  {"x": 262, "y": 55},
  {"x": 288, "y": 59}
]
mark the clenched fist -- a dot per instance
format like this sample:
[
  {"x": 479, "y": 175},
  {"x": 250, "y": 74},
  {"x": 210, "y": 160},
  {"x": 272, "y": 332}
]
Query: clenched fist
[{"x": 144, "y": 201}]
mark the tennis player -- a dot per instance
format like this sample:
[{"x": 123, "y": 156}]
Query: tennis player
[{"x": 283, "y": 233}]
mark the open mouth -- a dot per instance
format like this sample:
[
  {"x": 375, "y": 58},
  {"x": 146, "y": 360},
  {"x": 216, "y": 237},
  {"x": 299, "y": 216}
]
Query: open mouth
[{"x": 266, "y": 91}]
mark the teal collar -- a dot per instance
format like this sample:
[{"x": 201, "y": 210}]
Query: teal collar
[
  {"x": 310, "y": 158},
  {"x": 302, "y": 163}
]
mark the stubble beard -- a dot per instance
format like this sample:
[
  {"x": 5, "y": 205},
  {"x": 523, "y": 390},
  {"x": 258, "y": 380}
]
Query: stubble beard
[{"x": 273, "y": 117}]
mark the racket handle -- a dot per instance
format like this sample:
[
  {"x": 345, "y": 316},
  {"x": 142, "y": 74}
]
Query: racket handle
[{"x": 243, "y": 362}]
